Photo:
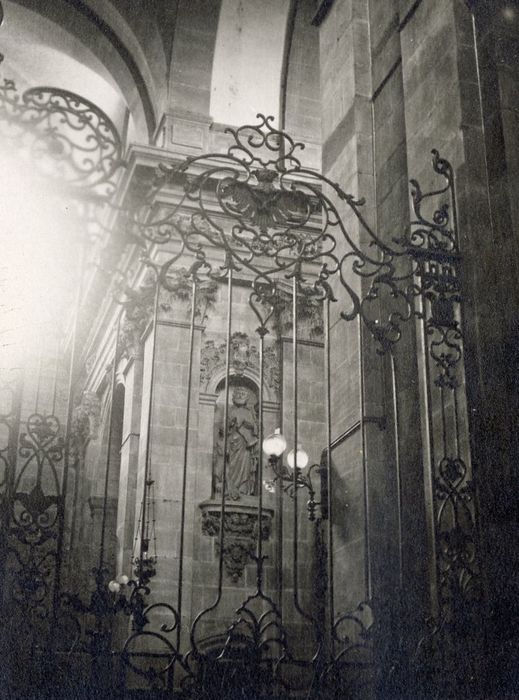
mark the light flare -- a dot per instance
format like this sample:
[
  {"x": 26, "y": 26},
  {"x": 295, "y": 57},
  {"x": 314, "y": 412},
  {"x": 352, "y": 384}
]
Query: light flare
[{"x": 38, "y": 260}]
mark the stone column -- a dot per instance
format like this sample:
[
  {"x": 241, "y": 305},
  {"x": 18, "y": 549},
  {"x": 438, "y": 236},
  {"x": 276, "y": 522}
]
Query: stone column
[
  {"x": 494, "y": 289},
  {"x": 380, "y": 540},
  {"x": 405, "y": 417},
  {"x": 365, "y": 538},
  {"x": 442, "y": 91},
  {"x": 129, "y": 465}
]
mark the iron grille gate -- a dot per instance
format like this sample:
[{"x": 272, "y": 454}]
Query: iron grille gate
[{"x": 253, "y": 239}]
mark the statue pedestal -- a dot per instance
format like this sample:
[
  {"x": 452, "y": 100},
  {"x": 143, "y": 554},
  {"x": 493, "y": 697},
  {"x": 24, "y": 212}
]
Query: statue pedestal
[{"x": 240, "y": 533}]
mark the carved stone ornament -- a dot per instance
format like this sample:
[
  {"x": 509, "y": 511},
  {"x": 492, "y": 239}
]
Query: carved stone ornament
[
  {"x": 240, "y": 532},
  {"x": 191, "y": 223},
  {"x": 85, "y": 423},
  {"x": 309, "y": 317},
  {"x": 138, "y": 313},
  {"x": 244, "y": 355},
  {"x": 179, "y": 291}
]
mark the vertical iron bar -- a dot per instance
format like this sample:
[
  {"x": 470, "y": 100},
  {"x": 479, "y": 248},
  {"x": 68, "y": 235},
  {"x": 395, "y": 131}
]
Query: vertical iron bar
[
  {"x": 38, "y": 384},
  {"x": 13, "y": 441},
  {"x": 396, "y": 429},
  {"x": 444, "y": 423},
  {"x": 297, "y": 604},
  {"x": 10, "y": 477},
  {"x": 294, "y": 424},
  {"x": 74, "y": 356},
  {"x": 279, "y": 484},
  {"x": 456, "y": 421},
  {"x": 226, "y": 430},
  {"x": 186, "y": 452},
  {"x": 224, "y": 467},
  {"x": 365, "y": 475},
  {"x": 430, "y": 471},
  {"x": 259, "y": 569},
  {"x": 74, "y": 504},
  {"x": 56, "y": 376},
  {"x": 109, "y": 448},
  {"x": 329, "y": 505},
  {"x": 147, "y": 460}
]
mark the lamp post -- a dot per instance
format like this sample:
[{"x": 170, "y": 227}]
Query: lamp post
[{"x": 274, "y": 445}]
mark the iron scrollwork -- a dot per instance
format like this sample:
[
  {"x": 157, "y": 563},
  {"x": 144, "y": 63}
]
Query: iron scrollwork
[
  {"x": 71, "y": 142},
  {"x": 433, "y": 244},
  {"x": 32, "y": 513},
  {"x": 71, "y": 137},
  {"x": 271, "y": 200}
]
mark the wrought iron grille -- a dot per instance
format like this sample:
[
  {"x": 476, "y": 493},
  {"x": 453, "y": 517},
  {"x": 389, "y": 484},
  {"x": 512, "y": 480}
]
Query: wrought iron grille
[{"x": 249, "y": 233}]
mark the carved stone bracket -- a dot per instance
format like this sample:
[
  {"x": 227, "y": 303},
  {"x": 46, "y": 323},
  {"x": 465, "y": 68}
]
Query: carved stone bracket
[
  {"x": 138, "y": 313},
  {"x": 240, "y": 531},
  {"x": 174, "y": 302},
  {"x": 85, "y": 423},
  {"x": 179, "y": 292},
  {"x": 244, "y": 355},
  {"x": 309, "y": 316}
]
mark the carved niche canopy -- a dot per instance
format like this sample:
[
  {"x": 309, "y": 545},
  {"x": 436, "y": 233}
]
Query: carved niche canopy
[{"x": 244, "y": 355}]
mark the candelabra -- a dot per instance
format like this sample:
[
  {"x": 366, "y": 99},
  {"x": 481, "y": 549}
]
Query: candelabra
[{"x": 297, "y": 474}]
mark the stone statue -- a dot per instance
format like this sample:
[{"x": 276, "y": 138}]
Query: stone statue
[{"x": 242, "y": 446}]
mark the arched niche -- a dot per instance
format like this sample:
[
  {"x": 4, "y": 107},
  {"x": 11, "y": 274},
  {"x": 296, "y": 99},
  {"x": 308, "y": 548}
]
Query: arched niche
[
  {"x": 241, "y": 519},
  {"x": 242, "y": 438}
]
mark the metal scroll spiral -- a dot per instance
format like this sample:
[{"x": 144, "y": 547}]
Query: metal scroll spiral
[
  {"x": 272, "y": 200},
  {"x": 69, "y": 138},
  {"x": 434, "y": 246},
  {"x": 72, "y": 143},
  {"x": 276, "y": 220},
  {"x": 32, "y": 513}
]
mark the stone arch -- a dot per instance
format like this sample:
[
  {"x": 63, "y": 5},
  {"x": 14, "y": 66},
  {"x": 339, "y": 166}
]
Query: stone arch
[
  {"x": 192, "y": 57},
  {"x": 300, "y": 111},
  {"x": 250, "y": 374},
  {"x": 112, "y": 50}
]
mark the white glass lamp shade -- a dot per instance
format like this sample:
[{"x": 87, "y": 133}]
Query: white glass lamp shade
[
  {"x": 123, "y": 579},
  {"x": 301, "y": 460},
  {"x": 114, "y": 586},
  {"x": 275, "y": 444}
]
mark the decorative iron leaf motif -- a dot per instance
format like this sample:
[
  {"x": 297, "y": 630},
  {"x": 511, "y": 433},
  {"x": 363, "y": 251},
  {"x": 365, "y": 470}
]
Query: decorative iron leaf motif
[
  {"x": 263, "y": 206},
  {"x": 275, "y": 221},
  {"x": 35, "y": 511},
  {"x": 274, "y": 205}
]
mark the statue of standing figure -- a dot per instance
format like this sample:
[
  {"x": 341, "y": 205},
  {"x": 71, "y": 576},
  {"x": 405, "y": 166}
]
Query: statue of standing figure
[{"x": 241, "y": 447}]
